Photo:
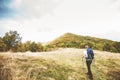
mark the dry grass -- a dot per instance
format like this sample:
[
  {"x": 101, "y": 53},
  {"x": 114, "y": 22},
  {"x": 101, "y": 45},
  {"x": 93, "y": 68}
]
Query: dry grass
[
  {"x": 5, "y": 72},
  {"x": 62, "y": 64}
]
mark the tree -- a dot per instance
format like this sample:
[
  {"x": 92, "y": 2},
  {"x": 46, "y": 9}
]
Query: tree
[
  {"x": 2, "y": 45},
  {"x": 40, "y": 47},
  {"x": 36, "y": 47},
  {"x": 106, "y": 47},
  {"x": 12, "y": 39},
  {"x": 115, "y": 47},
  {"x": 21, "y": 47},
  {"x": 27, "y": 45},
  {"x": 31, "y": 46}
]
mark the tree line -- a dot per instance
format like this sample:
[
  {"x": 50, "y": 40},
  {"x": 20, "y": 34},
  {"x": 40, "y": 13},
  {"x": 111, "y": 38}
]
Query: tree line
[{"x": 11, "y": 41}]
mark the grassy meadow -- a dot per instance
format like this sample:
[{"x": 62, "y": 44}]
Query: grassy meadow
[{"x": 60, "y": 64}]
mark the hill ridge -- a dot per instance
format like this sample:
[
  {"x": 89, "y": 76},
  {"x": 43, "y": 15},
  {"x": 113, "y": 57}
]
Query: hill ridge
[{"x": 78, "y": 41}]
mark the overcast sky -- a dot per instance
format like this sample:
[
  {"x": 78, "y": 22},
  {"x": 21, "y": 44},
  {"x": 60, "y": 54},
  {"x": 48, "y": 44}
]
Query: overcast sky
[{"x": 45, "y": 20}]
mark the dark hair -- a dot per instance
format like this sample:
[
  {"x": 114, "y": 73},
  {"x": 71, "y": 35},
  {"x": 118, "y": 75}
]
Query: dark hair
[{"x": 89, "y": 45}]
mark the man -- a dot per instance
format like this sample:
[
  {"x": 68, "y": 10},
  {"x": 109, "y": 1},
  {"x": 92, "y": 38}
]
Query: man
[{"x": 89, "y": 55}]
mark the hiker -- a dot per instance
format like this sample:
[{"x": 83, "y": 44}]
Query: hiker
[{"x": 89, "y": 56}]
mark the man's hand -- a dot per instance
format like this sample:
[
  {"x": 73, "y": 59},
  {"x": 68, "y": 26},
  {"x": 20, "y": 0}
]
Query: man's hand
[{"x": 82, "y": 56}]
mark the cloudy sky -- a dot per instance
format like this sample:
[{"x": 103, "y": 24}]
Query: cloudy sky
[{"x": 45, "y": 20}]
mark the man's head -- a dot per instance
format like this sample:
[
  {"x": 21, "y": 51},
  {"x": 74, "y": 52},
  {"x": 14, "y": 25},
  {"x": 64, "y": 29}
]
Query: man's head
[{"x": 86, "y": 46}]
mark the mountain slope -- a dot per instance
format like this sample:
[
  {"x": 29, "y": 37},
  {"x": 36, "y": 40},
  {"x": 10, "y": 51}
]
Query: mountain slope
[{"x": 78, "y": 41}]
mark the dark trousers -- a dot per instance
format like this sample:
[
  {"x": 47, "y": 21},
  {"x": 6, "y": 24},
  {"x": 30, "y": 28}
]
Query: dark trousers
[{"x": 88, "y": 67}]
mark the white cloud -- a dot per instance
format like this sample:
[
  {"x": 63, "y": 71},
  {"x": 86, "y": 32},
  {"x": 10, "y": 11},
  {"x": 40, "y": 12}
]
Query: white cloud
[
  {"x": 29, "y": 30},
  {"x": 34, "y": 8},
  {"x": 83, "y": 17}
]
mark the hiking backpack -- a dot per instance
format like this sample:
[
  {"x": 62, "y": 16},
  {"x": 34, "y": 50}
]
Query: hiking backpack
[{"x": 90, "y": 54}]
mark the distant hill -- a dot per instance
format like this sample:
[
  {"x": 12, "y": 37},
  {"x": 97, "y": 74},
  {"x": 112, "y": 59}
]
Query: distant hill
[{"x": 78, "y": 41}]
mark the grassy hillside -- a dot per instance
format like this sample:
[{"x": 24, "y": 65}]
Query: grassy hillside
[
  {"x": 62, "y": 64},
  {"x": 78, "y": 41}
]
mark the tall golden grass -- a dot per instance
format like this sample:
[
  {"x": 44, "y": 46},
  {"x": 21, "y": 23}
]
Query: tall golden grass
[{"x": 61, "y": 64}]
